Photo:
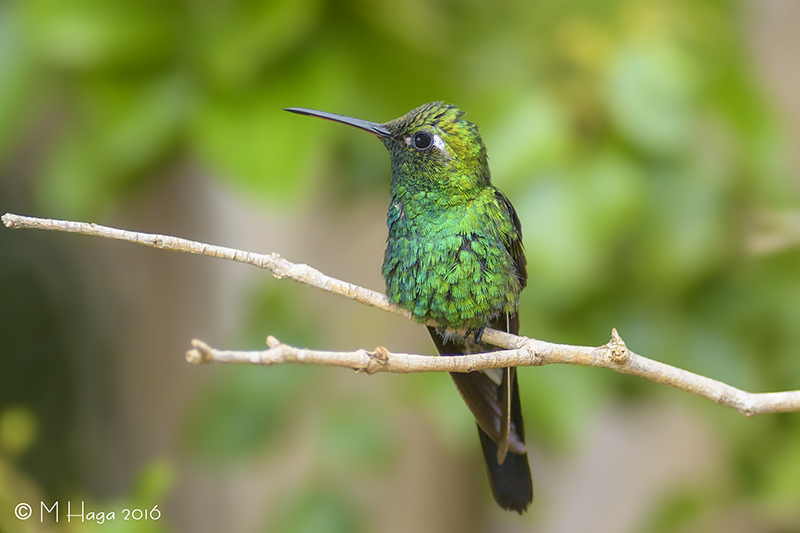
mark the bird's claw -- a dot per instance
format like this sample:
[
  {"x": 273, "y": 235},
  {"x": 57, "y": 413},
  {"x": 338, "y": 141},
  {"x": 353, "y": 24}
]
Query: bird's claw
[{"x": 476, "y": 333}]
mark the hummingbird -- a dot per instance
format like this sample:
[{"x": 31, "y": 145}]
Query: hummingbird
[{"x": 454, "y": 255}]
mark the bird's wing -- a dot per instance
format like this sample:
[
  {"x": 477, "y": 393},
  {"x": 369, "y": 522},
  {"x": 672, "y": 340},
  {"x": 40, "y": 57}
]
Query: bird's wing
[{"x": 513, "y": 243}]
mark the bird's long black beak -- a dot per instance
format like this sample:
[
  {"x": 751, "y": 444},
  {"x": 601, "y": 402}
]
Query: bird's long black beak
[{"x": 372, "y": 127}]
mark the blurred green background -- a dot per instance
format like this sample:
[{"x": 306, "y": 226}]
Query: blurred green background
[{"x": 650, "y": 149}]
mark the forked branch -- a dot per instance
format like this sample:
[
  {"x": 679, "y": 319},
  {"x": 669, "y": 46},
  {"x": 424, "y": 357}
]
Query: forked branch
[{"x": 520, "y": 351}]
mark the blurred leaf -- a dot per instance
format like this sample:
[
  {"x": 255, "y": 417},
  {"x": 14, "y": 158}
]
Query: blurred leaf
[
  {"x": 239, "y": 39},
  {"x": 781, "y": 484},
  {"x": 573, "y": 223},
  {"x": 18, "y": 429},
  {"x": 357, "y": 437},
  {"x": 677, "y": 512},
  {"x": 100, "y": 34},
  {"x": 244, "y": 412},
  {"x": 318, "y": 511},
  {"x": 558, "y": 402},
  {"x": 125, "y": 127},
  {"x": 278, "y": 309},
  {"x": 555, "y": 236},
  {"x": 255, "y": 145},
  {"x": 417, "y": 24},
  {"x": 154, "y": 482},
  {"x": 17, "y": 75},
  {"x": 436, "y": 396},
  {"x": 651, "y": 96},
  {"x": 529, "y": 138},
  {"x": 687, "y": 227}
]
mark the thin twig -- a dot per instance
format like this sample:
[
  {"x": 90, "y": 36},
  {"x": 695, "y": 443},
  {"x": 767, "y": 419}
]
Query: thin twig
[
  {"x": 520, "y": 351},
  {"x": 531, "y": 352}
]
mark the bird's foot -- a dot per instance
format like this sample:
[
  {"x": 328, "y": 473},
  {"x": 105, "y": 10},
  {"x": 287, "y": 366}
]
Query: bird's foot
[{"x": 476, "y": 333}]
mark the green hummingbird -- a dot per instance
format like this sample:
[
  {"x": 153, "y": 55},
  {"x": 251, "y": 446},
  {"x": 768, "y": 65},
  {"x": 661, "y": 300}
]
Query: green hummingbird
[{"x": 454, "y": 255}]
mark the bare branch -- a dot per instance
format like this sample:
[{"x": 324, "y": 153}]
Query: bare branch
[
  {"x": 521, "y": 351},
  {"x": 531, "y": 352}
]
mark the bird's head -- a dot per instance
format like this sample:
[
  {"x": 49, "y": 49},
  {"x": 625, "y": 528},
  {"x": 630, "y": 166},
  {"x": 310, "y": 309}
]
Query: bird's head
[{"x": 432, "y": 147}]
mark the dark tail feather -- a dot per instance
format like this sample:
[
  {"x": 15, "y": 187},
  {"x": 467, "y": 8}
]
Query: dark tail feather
[
  {"x": 496, "y": 408},
  {"x": 510, "y": 480}
]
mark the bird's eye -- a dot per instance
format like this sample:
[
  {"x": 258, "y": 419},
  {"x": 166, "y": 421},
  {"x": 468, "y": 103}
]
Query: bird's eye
[{"x": 422, "y": 140}]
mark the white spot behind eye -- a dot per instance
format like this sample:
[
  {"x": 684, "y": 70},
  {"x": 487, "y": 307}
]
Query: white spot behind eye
[{"x": 440, "y": 145}]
